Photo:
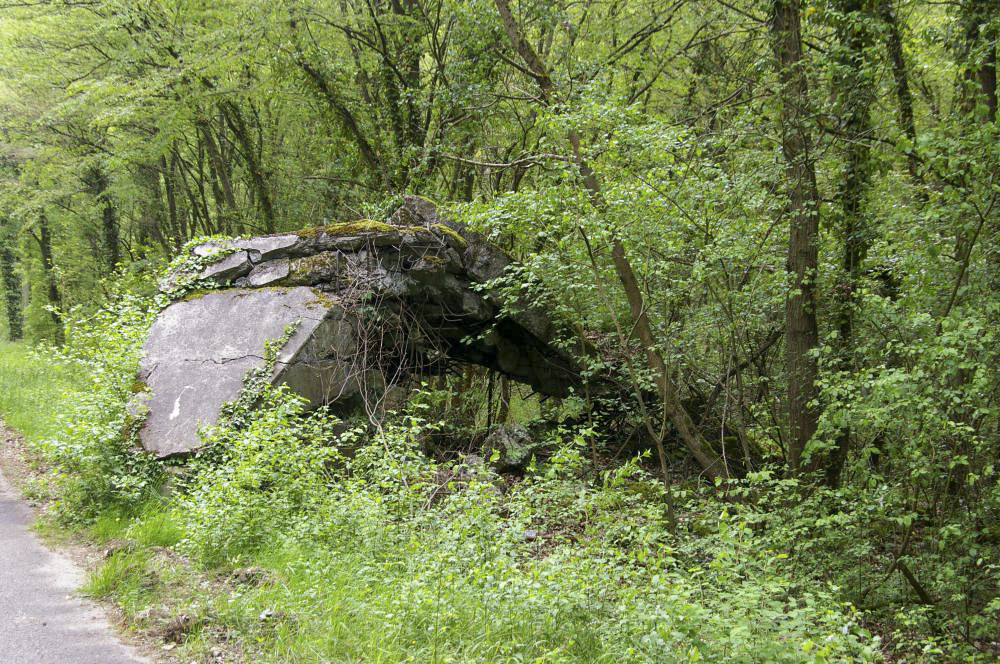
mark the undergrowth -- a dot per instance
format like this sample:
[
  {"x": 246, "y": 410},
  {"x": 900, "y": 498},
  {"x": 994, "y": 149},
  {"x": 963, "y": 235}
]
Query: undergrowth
[{"x": 287, "y": 539}]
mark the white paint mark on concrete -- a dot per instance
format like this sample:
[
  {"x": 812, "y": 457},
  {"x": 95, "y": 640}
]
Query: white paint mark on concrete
[{"x": 175, "y": 413}]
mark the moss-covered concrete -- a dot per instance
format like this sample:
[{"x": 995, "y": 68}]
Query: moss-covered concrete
[
  {"x": 434, "y": 260},
  {"x": 323, "y": 300},
  {"x": 369, "y": 227},
  {"x": 441, "y": 228},
  {"x": 309, "y": 269},
  {"x": 196, "y": 294},
  {"x": 359, "y": 227}
]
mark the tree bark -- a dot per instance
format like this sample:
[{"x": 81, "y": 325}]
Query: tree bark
[
  {"x": 44, "y": 239},
  {"x": 220, "y": 173},
  {"x": 503, "y": 413},
  {"x": 11, "y": 281},
  {"x": 169, "y": 186},
  {"x": 801, "y": 327},
  {"x": 904, "y": 98},
  {"x": 151, "y": 223},
  {"x": 988, "y": 81},
  {"x": 980, "y": 55},
  {"x": 855, "y": 100},
  {"x": 97, "y": 182},
  {"x": 234, "y": 119},
  {"x": 110, "y": 233},
  {"x": 703, "y": 453}
]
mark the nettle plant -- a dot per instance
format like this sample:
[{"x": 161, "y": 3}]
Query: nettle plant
[{"x": 96, "y": 451}]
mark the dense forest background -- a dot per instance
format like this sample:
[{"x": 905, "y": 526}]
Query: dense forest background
[{"x": 780, "y": 219}]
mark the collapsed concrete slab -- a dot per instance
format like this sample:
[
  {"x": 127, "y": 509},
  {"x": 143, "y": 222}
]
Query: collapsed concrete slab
[
  {"x": 199, "y": 351},
  {"x": 375, "y": 302}
]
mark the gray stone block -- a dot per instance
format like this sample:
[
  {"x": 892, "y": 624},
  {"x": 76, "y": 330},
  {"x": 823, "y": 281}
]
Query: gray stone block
[
  {"x": 268, "y": 273},
  {"x": 198, "y": 352},
  {"x": 269, "y": 246},
  {"x": 232, "y": 266}
]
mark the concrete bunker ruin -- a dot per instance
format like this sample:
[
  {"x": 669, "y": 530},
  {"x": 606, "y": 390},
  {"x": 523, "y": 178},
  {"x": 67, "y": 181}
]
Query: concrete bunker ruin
[{"x": 372, "y": 303}]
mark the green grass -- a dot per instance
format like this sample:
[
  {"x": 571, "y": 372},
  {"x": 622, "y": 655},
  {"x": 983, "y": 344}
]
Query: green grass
[
  {"x": 360, "y": 567},
  {"x": 122, "y": 574},
  {"x": 149, "y": 525},
  {"x": 31, "y": 392},
  {"x": 360, "y": 616},
  {"x": 110, "y": 525},
  {"x": 157, "y": 528}
]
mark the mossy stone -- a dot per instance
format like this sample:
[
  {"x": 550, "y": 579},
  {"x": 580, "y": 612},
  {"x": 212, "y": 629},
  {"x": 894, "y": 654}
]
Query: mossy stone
[
  {"x": 451, "y": 233},
  {"x": 196, "y": 294},
  {"x": 308, "y": 270},
  {"x": 359, "y": 227}
]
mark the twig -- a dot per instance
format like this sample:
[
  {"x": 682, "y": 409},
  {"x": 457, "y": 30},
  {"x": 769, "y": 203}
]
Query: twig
[{"x": 529, "y": 160}]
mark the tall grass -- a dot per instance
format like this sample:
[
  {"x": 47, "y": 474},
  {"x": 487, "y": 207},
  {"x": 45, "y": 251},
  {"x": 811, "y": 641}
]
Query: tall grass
[{"x": 33, "y": 392}]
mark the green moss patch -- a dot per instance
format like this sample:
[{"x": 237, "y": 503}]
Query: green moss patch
[
  {"x": 359, "y": 227},
  {"x": 370, "y": 226},
  {"x": 310, "y": 268},
  {"x": 196, "y": 294},
  {"x": 323, "y": 300},
  {"x": 444, "y": 230}
]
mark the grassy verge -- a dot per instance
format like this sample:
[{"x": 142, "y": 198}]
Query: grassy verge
[
  {"x": 33, "y": 392},
  {"x": 283, "y": 545}
]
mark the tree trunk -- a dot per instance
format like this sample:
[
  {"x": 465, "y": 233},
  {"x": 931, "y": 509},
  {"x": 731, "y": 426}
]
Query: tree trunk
[
  {"x": 97, "y": 183},
  {"x": 234, "y": 119},
  {"x": 855, "y": 100},
  {"x": 169, "y": 186},
  {"x": 710, "y": 463},
  {"x": 151, "y": 222},
  {"x": 801, "y": 328},
  {"x": 988, "y": 80},
  {"x": 44, "y": 239},
  {"x": 347, "y": 120},
  {"x": 504, "y": 411},
  {"x": 220, "y": 174},
  {"x": 110, "y": 233},
  {"x": 980, "y": 55},
  {"x": 11, "y": 281},
  {"x": 904, "y": 98}
]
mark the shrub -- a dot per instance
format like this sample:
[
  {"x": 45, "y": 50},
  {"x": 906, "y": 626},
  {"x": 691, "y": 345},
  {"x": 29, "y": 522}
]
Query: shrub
[{"x": 95, "y": 447}]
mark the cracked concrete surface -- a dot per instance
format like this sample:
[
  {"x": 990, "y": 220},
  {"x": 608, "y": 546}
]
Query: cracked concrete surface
[{"x": 199, "y": 351}]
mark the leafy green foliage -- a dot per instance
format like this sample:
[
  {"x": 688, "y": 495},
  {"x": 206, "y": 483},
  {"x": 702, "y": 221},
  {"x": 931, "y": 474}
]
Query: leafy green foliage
[
  {"x": 567, "y": 568},
  {"x": 239, "y": 118},
  {"x": 95, "y": 448},
  {"x": 445, "y": 560}
]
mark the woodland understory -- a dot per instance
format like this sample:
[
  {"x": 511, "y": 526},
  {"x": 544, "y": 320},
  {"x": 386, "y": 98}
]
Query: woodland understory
[{"x": 776, "y": 222}]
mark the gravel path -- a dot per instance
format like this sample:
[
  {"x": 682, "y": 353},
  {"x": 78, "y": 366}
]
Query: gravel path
[{"x": 42, "y": 619}]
